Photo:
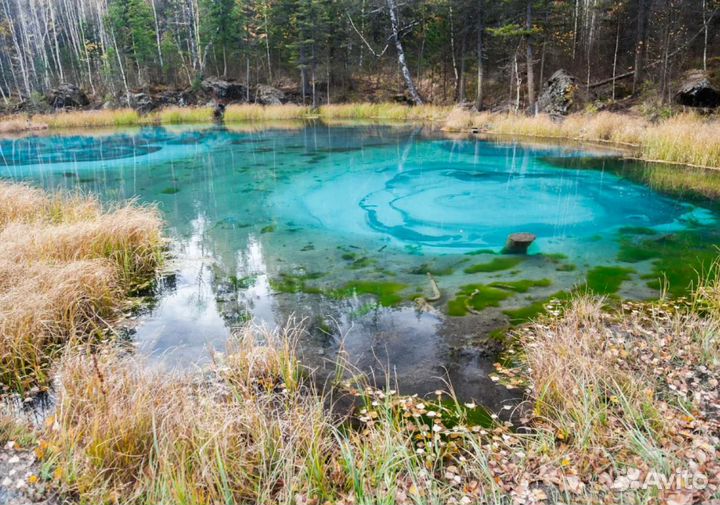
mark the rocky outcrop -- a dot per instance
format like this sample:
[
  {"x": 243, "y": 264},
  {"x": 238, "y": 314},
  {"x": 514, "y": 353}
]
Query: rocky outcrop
[
  {"x": 562, "y": 94},
  {"x": 268, "y": 95},
  {"x": 697, "y": 91},
  {"x": 225, "y": 91},
  {"x": 67, "y": 96},
  {"x": 147, "y": 101}
]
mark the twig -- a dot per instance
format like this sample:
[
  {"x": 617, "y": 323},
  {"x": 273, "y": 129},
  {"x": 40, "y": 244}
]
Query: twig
[{"x": 377, "y": 55}]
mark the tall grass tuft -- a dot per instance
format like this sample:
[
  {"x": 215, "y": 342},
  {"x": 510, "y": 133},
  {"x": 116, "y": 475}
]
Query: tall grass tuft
[
  {"x": 252, "y": 429},
  {"x": 89, "y": 119},
  {"x": 66, "y": 267},
  {"x": 684, "y": 138},
  {"x": 384, "y": 111},
  {"x": 256, "y": 112},
  {"x": 181, "y": 115},
  {"x": 252, "y": 433}
]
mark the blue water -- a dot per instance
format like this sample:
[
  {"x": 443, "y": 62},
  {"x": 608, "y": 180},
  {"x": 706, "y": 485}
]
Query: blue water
[{"x": 247, "y": 206}]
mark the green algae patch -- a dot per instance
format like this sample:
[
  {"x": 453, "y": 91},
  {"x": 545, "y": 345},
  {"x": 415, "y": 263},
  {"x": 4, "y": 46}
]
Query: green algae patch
[
  {"x": 496, "y": 265},
  {"x": 554, "y": 257},
  {"x": 430, "y": 268},
  {"x": 636, "y": 230},
  {"x": 481, "y": 296},
  {"x": 605, "y": 280},
  {"x": 296, "y": 283},
  {"x": 241, "y": 282},
  {"x": 456, "y": 306},
  {"x": 522, "y": 286},
  {"x": 477, "y": 297},
  {"x": 679, "y": 259},
  {"x": 525, "y": 314},
  {"x": 387, "y": 293},
  {"x": 480, "y": 251},
  {"x": 455, "y": 413},
  {"x": 363, "y": 262}
]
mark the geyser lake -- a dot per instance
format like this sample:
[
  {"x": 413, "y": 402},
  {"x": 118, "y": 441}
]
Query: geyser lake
[{"x": 338, "y": 227}]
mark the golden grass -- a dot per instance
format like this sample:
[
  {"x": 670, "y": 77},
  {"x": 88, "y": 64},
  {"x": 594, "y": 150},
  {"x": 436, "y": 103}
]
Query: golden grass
[
  {"x": 254, "y": 112},
  {"x": 684, "y": 138},
  {"x": 600, "y": 385},
  {"x": 93, "y": 118},
  {"x": 180, "y": 115},
  {"x": 19, "y": 125},
  {"x": 384, "y": 111},
  {"x": 66, "y": 268},
  {"x": 252, "y": 430}
]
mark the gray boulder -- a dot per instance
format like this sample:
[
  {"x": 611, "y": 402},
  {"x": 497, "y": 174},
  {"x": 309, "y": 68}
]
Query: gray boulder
[
  {"x": 562, "y": 94},
  {"x": 67, "y": 96},
  {"x": 222, "y": 90},
  {"x": 268, "y": 95},
  {"x": 697, "y": 91}
]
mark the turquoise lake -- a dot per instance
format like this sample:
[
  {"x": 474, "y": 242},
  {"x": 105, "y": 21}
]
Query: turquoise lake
[{"x": 338, "y": 227}]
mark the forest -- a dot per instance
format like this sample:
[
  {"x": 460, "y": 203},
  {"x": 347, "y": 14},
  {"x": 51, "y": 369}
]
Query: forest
[{"x": 492, "y": 54}]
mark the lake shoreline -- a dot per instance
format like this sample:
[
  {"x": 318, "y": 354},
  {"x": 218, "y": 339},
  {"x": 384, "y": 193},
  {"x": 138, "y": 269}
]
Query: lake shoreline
[
  {"x": 584, "y": 365},
  {"x": 683, "y": 139}
]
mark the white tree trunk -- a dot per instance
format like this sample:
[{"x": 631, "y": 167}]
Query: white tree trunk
[{"x": 414, "y": 95}]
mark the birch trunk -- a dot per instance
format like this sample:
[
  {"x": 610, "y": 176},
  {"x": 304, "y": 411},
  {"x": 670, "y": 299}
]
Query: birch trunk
[{"x": 409, "y": 84}]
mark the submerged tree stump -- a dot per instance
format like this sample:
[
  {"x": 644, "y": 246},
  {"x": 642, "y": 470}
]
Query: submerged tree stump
[{"x": 518, "y": 243}]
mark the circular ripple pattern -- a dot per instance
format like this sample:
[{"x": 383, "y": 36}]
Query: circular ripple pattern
[{"x": 465, "y": 206}]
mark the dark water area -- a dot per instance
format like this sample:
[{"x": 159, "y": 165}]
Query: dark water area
[{"x": 336, "y": 228}]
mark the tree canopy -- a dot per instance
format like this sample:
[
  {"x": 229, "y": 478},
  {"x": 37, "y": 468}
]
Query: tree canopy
[{"x": 480, "y": 51}]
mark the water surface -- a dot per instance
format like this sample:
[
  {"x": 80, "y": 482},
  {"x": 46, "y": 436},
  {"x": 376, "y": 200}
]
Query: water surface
[{"x": 338, "y": 227}]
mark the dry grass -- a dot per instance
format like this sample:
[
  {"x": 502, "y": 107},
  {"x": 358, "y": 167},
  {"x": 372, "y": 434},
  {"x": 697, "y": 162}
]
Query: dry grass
[
  {"x": 18, "y": 125},
  {"x": 251, "y": 432},
  {"x": 180, "y": 115},
  {"x": 66, "y": 268},
  {"x": 384, "y": 111},
  {"x": 90, "y": 119},
  {"x": 608, "y": 390},
  {"x": 685, "y": 138},
  {"x": 254, "y": 112}
]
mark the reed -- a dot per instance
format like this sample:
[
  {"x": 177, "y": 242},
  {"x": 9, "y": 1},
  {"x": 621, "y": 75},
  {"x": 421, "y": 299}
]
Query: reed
[
  {"x": 67, "y": 266},
  {"x": 685, "y": 138},
  {"x": 18, "y": 125},
  {"x": 252, "y": 429},
  {"x": 255, "y": 112},
  {"x": 89, "y": 119},
  {"x": 180, "y": 115},
  {"x": 384, "y": 111}
]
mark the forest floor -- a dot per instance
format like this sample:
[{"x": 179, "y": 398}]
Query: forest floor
[{"x": 19, "y": 481}]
